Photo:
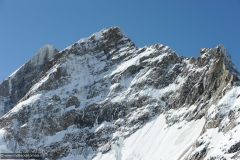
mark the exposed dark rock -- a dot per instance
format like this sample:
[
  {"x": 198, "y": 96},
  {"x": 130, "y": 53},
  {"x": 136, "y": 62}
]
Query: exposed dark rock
[
  {"x": 234, "y": 148},
  {"x": 73, "y": 101},
  {"x": 199, "y": 155},
  {"x": 56, "y": 98}
]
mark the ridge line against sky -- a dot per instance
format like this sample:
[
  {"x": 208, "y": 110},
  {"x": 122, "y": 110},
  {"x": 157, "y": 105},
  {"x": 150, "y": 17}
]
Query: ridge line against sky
[{"x": 186, "y": 26}]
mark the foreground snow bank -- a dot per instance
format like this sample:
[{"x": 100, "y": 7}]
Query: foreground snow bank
[{"x": 158, "y": 141}]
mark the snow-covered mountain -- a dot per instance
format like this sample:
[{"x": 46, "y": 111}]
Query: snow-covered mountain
[{"x": 103, "y": 98}]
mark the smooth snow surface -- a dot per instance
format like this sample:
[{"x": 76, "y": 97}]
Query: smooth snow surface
[{"x": 157, "y": 141}]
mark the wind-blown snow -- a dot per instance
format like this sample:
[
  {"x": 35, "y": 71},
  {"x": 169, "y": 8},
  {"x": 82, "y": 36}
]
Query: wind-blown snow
[
  {"x": 10, "y": 85},
  {"x": 45, "y": 53},
  {"x": 2, "y": 101}
]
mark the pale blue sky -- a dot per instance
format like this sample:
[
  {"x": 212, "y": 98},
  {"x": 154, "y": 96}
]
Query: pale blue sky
[{"x": 186, "y": 25}]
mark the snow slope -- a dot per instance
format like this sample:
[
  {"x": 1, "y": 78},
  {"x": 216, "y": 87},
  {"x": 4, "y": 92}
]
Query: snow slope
[{"x": 158, "y": 141}]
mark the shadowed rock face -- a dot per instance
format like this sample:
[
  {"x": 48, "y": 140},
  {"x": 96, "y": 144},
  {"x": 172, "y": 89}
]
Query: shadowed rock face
[
  {"x": 79, "y": 99},
  {"x": 4, "y": 88},
  {"x": 19, "y": 83}
]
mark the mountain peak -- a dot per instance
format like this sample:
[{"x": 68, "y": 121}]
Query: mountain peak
[
  {"x": 103, "y": 35},
  {"x": 106, "y": 40},
  {"x": 103, "y": 93},
  {"x": 107, "y": 32},
  {"x": 218, "y": 52}
]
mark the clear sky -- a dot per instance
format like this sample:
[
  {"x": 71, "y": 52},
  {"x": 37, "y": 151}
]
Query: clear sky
[{"x": 184, "y": 25}]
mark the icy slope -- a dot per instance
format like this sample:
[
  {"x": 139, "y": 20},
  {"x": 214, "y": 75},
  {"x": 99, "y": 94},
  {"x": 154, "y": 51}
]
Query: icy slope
[
  {"x": 80, "y": 103},
  {"x": 156, "y": 140}
]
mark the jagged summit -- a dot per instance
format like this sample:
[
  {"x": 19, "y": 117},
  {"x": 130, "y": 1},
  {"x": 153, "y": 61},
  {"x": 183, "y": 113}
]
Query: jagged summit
[
  {"x": 106, "y": 39},
  {"x": 105, "y": 34},
  {"x": 219, "y": 55},
  {"x": 103, "y": 98},
  {"x": 218, "y": 52},
  {"x": 113, "y": 37}
]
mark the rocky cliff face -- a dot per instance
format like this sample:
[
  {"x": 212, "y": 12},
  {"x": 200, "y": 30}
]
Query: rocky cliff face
[
  {"x": 19, "y": 83},
  {"x": 90, "y": 100}
]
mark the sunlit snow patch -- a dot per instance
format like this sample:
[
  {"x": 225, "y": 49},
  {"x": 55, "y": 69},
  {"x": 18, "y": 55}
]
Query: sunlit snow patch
[{"x": 157, "y": 141}]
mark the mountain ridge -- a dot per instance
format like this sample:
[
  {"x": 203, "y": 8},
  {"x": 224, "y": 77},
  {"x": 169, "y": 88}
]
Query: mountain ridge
[{"x": 82, "y": 100}]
